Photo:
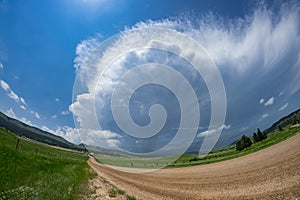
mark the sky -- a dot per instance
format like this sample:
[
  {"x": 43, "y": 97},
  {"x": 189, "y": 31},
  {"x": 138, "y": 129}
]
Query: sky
[{"x": 52, "y": 53}]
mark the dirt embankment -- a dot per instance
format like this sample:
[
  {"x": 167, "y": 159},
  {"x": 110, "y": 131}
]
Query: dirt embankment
[{"x": 272, "y": 173}]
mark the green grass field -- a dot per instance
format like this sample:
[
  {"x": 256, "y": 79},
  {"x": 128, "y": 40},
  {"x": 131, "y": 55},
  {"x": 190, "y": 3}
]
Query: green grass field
[
  {"x": 36, "y": 171},
  {"x": 226, "y": 153},
  {"x": 136, "y": 162}
]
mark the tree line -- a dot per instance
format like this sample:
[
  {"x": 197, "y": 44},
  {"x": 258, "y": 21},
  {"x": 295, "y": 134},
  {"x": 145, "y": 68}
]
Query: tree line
[{"x": 245, "y": 141}]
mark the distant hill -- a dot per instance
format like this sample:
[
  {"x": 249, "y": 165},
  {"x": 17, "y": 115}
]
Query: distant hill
[
  {"x": 288, "y": 120},
  {"x": 21, "y": 129},
  {"x": 291, "y": 119}
]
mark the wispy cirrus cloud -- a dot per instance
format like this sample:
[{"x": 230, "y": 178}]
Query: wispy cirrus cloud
[{"x": 283, "y": 107}]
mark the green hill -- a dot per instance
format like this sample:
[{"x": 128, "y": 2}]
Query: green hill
[
  {"x": 24, "y": 130},
  {"x": 31, "y": 170},
  {"x": 291, "y": 119}
]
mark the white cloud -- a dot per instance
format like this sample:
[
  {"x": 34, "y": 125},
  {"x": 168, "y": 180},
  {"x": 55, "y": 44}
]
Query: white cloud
[
  {"x": 36, "y": 114},
  {"x": 259, "y": 40},
  {"x": 270, "y": 101},
  {"x": 281, "y": 93},
  {"x": 10, "y": 93},
  {"x": 1, "y": 66},
  {"x": 265, "y": 115},
  {"x": 213, "y": 131},
  {"x": 283, "y": 107},
  {"x": 54, "y": 116},
  {"x": 261, "y": 101},
  {"x": 4, "y": 85},
  {"x": 45, "y": 128},
  {"x": 249, "y": 46},
  {"x": 105, "y": 138},
  {"x": 295, "y": 83},
  {"x": 83, "y": 109},
  {"x": 57, "y": 99},
  {"x": 26, "y": 121},
  {"x": 64, "y": 112},
  {"x": 22, "y": 101},
  {"x": 10, "y": 112},
  {"x": 23, "y": 107},
  {"x": 13, "y": 96}
]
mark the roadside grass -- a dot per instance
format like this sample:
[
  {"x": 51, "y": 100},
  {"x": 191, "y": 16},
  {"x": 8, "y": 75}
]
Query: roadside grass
[
  {"x": 36, "y": 171},
  {"x": 121, "y": 192},
  {"x": 112, "y": 193},
  {"x": 226, "y": 153},
  {"x": 115, "y": 191},
  {"x": 130, "y": 197},
  {"x": 230, "y": 152}
]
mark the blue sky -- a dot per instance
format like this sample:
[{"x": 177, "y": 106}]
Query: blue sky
[{"x": 256, "y": 46}]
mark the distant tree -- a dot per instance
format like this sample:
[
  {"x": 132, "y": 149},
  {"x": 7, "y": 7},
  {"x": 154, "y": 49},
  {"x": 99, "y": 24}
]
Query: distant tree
[
  {"x": 255, "y": 137},
  {"x": 243, "y": 143},
  {"x": 239, "y": 146},
  {"x": 265, "y": 135},
  {"x": 260, "y": 135},
  {"x": 247, "y": 141},
  {"x": 280, "y": 128}
]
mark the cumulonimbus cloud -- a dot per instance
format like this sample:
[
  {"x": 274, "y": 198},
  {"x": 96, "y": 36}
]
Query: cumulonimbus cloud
[{"x": 249, "y": 51}]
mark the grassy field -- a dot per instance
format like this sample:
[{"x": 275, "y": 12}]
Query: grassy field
[
  {"x": 36, "y": 171},
  {"x": 136, "y": 162},
  {"x": 226, "y": 153}
]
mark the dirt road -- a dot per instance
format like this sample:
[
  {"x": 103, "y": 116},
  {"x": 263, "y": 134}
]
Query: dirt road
[{"x": 272, "y": 173}]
